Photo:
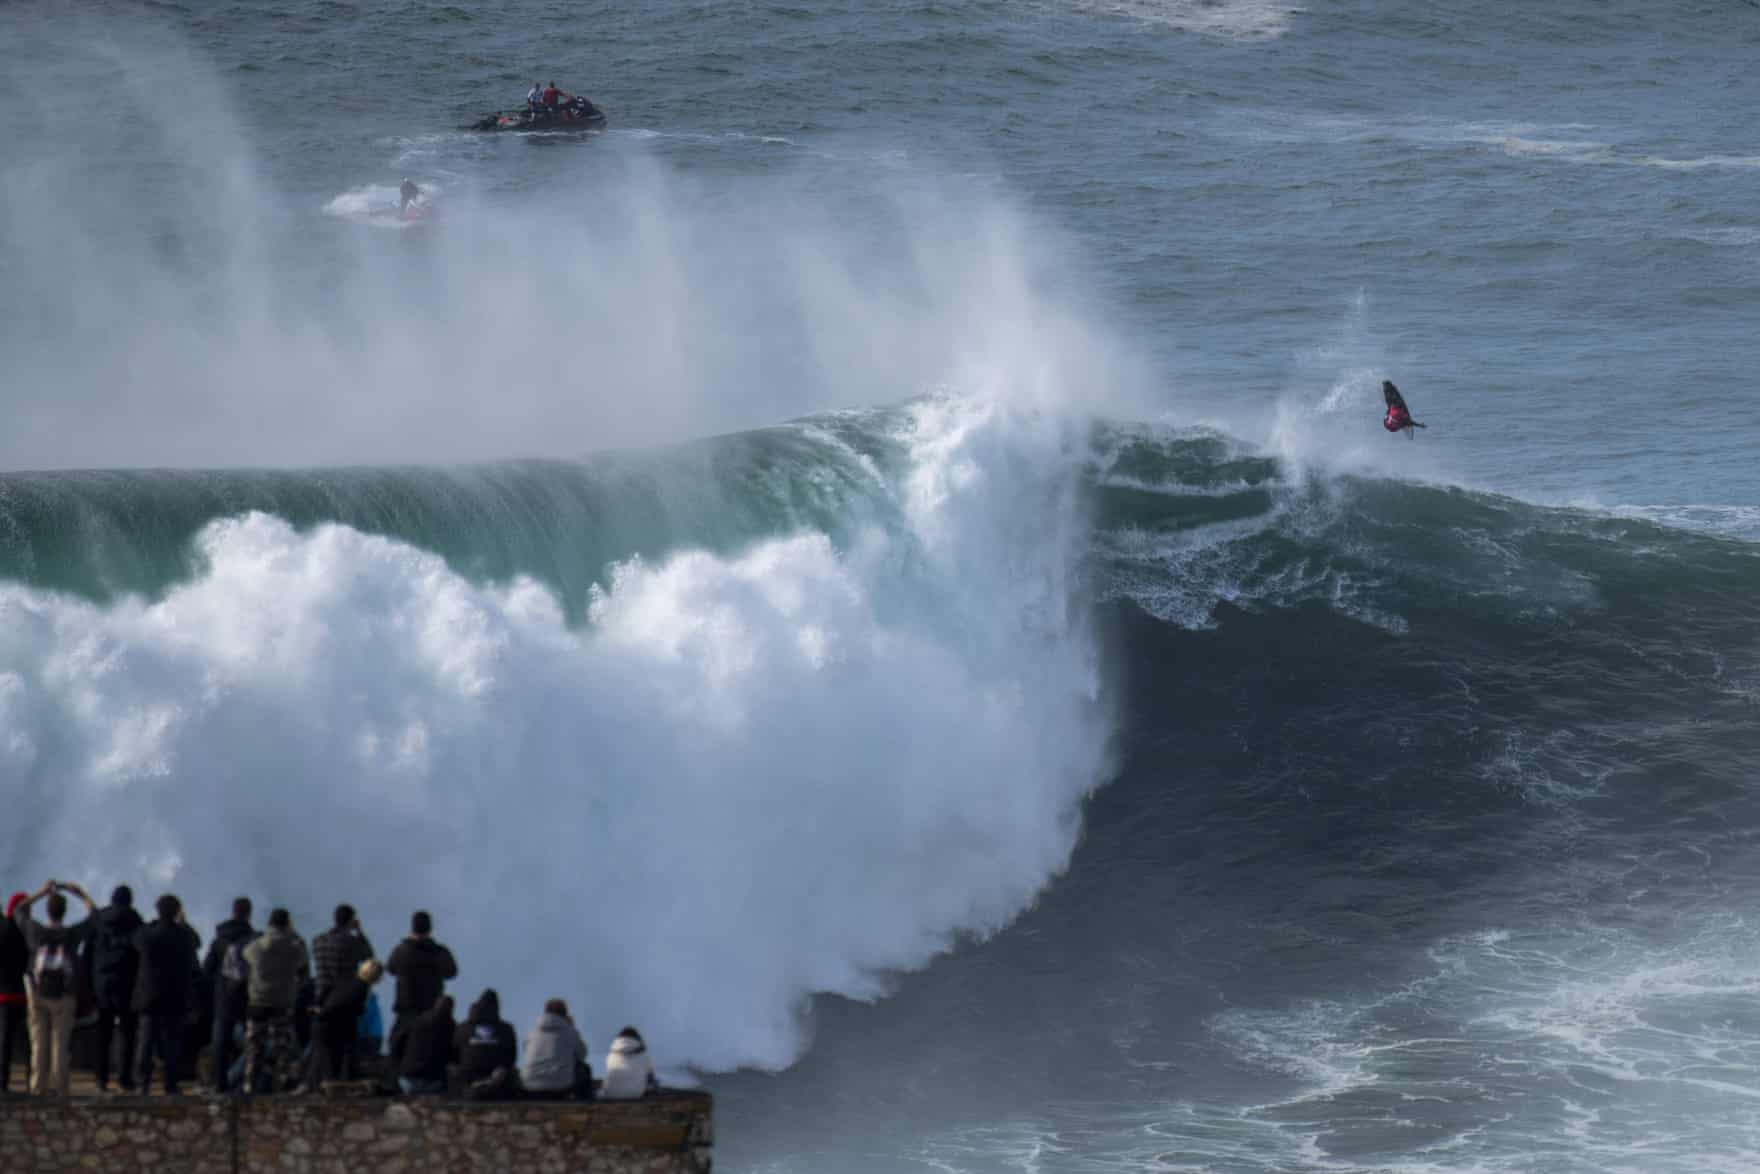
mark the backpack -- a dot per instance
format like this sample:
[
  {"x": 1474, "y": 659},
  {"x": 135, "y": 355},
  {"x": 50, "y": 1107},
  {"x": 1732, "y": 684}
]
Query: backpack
[
  {"x": 235, "y": 972},
  {"x": 52, "y": 970}
]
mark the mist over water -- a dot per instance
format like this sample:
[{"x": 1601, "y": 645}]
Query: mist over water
[
  {"x": 814, "y": 759},
  {"x": 882, "y": 568},
  {"x": 162, "y": 288}
]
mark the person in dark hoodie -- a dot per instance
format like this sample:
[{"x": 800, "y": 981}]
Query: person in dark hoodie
[
  {"x": 427, "y": 1049},
  {"x": 115, "y": 964},
  {"x": 165, "y": 989},
  {"x": 487, "y": 1051},
  {"x": 15, "y": 960},
  {"x": 228, "y": 977},
  {"x": 421, "y": 966},
  {"x": 337, "y": 1016}
]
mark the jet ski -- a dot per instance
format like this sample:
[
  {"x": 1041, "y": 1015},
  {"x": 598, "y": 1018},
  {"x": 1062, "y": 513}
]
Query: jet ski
[{"x": 575, "y": 114}]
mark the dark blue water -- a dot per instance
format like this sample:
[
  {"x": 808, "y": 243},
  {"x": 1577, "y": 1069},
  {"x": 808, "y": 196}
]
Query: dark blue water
[{"x": 1118, "y": 753}]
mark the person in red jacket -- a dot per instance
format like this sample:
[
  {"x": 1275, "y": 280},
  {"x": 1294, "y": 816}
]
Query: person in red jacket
[
  {"x": 1399, "y": 417},
  {"x": 552, "y": 96}
]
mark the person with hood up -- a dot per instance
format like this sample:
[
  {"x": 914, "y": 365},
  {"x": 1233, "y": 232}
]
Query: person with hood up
[
  {"x": 280, "y": 965},
  {"x": 15, "y": 962},
  {"x": 115, "y": 963},
  {"x": 556, "y": 1058},
  {"x": 344, "y": 1001},
  {"x": 427, "y": 1049},
  {"x": 629, "y": 1070},
  {"x": 487, "y": 1051},
  {"x": 51, "y": 983},
  {"x": 228, "y": 978},
  {"x": 421, "y": 966},
  {"x": 165, "y": 989}
]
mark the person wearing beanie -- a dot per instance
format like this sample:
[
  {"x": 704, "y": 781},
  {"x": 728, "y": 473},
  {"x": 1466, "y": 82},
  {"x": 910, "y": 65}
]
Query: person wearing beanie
[
  {"x": 629, "y": 1070},
  {"x": 51, "y": 984},
  {"x": 115, "y": 963},
  {"x": 15, "y": 961},
  {"x": 422, "y": 967}
]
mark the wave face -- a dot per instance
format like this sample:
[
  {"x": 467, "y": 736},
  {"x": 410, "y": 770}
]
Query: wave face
[
  {"x": 1424, "y": 815},
  {"x": 773, "y": 755},
  {"x": 1429, "y": 848}
]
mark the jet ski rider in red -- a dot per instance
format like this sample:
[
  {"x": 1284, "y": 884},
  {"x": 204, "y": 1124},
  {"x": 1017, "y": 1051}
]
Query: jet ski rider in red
[{"x": 1399, "y": 417}]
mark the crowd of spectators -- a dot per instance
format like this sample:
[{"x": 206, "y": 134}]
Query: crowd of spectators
[{"x": 268, "y": 1014}]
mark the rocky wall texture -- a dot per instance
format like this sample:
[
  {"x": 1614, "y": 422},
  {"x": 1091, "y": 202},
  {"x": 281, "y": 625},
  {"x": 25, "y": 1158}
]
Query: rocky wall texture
[{"x": 666, "y": 1134}]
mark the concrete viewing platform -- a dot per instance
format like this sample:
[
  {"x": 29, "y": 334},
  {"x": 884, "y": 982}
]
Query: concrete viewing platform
[{"x": 664, "y": 1133}]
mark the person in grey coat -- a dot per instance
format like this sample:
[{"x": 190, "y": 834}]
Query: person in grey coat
[{"x": 556, "y": 1066}]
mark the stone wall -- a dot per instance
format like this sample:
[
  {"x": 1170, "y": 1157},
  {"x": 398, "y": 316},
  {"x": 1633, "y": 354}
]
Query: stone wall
[{"x": 670, "y": 1133}]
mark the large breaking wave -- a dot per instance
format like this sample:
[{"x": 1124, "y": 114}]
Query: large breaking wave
[{"x": 793, "y": 766}]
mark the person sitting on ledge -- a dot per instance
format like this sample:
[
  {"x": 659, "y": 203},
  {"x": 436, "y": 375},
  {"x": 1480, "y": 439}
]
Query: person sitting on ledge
[
  {"x": 333, "y": 1042},
  {"x": 487, "y": 1051},
  {"x": 165, "y": 989},
  {"x": 279, "y": 964},
  {"x": 369, "y": 1030},
  {"x": 629, "y": 1070},
  {"x": 556, "y": 1067},
  {"x": 53, "y": 997},
  {"x": 427, "y": 1048}
]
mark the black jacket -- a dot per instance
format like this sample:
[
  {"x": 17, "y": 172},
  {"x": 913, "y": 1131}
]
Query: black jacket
[
  {"x": 344, "y": 1002},
  {"x": 427, "y": 1044},
  {"x": 233, "y": 929},
  {"x": 335, "y": 953},
  {"x": 15, "y": 960},
  {"x": 169, "y": 969},
  {"x": 484, "y": 1041},
  {"x": 115, "y": 961},
  {"x": 422, "y": 966}
]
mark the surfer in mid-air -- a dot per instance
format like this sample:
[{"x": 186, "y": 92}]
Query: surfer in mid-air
[{"x": 1399, "y": 417}]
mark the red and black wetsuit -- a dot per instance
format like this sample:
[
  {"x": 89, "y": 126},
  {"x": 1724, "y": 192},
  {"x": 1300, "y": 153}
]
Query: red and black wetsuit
[{"x": 1397, "y": 418}]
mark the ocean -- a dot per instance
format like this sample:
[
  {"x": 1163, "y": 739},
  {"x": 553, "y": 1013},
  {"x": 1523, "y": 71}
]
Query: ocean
[{"x": 883, "y": 569}]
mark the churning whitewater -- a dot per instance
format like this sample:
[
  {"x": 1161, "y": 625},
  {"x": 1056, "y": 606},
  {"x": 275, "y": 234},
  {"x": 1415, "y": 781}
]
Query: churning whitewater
[
  {"x": 813, "y": 765},
  {"x": 883, "y": 567}
]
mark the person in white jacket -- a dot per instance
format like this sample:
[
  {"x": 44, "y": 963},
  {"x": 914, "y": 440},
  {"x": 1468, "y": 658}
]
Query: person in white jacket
[{"x": 629, "y": 1070}]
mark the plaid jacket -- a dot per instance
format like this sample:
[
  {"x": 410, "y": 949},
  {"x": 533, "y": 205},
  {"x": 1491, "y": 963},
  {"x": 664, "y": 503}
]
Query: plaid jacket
[{"x": 336, "y": 953}]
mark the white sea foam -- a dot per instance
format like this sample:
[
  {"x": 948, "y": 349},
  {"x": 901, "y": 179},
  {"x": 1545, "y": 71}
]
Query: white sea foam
[
  {"x": 747, "y": 780},
  {"x": 379, "y": 205},
  {"x": 1244, "y": 20}
]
